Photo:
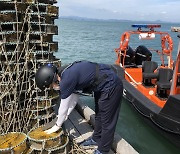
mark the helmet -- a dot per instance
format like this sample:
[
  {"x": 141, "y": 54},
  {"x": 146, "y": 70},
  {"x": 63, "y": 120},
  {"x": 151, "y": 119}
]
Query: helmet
[{"x": 45, "y": 75}]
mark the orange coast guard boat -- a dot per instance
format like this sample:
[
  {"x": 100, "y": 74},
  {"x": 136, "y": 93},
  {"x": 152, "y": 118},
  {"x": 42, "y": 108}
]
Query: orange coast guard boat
[{"x": 152, "y": 88}]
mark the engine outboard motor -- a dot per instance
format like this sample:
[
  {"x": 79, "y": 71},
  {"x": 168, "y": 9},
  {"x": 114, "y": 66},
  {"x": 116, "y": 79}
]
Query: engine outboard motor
[
  {"x": 130, "y": 57},
  {"x": 142, "y": 54}
]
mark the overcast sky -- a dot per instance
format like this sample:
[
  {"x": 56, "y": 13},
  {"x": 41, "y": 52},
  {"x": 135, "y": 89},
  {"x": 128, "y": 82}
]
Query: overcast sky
[{"x": 165, "y": 10}]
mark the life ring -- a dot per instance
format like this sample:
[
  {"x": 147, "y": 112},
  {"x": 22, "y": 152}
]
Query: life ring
[
  {"x": 124, "y": 41},
  {"x": 168, "y": 39}
]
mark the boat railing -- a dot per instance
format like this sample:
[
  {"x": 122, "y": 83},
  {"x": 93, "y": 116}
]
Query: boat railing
[
  {"x": 147, "y": 34},
  {"x": 174, "y": 87}
]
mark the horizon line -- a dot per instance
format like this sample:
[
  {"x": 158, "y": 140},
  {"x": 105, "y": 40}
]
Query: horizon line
[{"x": 125, "y": 20}]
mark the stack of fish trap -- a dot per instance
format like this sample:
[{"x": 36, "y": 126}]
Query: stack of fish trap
[
  {"x": 13, "y": 142},
  {"x": 27, "y": 28},
  {"x": 47, "y": 143}
]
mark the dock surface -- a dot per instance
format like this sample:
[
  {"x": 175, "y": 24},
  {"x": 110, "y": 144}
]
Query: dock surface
[{"x": 79, "y": 127}]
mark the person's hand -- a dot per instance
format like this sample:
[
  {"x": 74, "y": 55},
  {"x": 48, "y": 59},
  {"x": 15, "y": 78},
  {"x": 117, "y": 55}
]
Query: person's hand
[{"x": 55, "y": 128}]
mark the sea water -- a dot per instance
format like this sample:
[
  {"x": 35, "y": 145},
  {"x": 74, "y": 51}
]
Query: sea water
[{"x": 95, "y": 40}]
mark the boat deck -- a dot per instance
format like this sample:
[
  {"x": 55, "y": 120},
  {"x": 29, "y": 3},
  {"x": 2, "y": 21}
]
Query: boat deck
[
  {"x": 134, "y": 76},
  {"x": 79, "y": 127}
]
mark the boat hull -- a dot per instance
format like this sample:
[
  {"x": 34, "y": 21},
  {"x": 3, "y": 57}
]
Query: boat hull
[{"x": 151, "y": 113}]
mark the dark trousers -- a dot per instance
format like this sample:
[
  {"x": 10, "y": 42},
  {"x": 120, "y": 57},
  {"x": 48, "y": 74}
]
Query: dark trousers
[{"x": 107, "y": 107}]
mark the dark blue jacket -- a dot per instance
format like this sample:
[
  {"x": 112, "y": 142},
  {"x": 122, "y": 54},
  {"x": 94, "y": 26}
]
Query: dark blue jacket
[{"x": 82, "y": 75}]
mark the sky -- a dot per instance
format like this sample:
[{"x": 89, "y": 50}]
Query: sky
[{"x": 138, "y": 10}]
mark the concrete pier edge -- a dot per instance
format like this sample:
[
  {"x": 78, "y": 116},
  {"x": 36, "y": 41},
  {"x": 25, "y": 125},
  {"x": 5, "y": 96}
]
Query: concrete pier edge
[{"x": 120, "y": 146}]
